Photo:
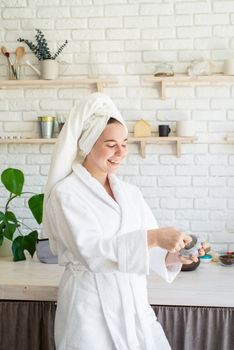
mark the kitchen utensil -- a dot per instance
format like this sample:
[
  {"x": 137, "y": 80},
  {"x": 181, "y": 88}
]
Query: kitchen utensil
[
  {"x": 33, "y": 68},
  {"x": 19, "y": 53},
  {"x": 191, "y": 248},
  {"x": 191, "y": 267},
  {"x": 226, "y": 260},
  {"x": 164, "y": 130},
  {"x": 7, "y": 55},
  {"x": 206, "y": 258},
  {"x": 46, "y": 126}
]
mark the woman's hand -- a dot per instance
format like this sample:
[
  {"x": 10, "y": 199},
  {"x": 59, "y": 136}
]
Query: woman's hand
[
  {"x": 168, "y": 238},
  {"x": 172, "y": 258}
]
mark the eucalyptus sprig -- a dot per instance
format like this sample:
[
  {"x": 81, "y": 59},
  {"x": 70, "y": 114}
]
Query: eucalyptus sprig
[
  {"x": 41, "y": 48},
  {"x": 10, "y": 226}
]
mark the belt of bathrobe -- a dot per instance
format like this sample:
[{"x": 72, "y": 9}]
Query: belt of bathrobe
[
  {"x": 127, "y": 304},
  {"x": 76, "y": 267}
]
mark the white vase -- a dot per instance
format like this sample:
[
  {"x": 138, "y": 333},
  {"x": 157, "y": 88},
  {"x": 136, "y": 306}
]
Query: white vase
[
  {"x": 228, "y": 67},
  {"x": 185, "y": 128},
  {"x": 5, "y": 249},
  {"x": 49, "y": 69}
]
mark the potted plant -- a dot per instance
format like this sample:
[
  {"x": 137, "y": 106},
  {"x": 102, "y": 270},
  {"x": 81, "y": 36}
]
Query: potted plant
[
  {"x": 49, "y": 67},
  {"x": 10, "y": 226}
]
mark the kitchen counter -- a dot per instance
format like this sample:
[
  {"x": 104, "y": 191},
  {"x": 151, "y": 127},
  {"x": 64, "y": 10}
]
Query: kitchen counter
[
  {"x": 29, "y": 280},
  {"x": 28, "y": 292},
  {"x": 210, "y": 285}
]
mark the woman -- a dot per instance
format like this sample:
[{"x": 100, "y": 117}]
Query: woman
[{"x": 106, "y": 236}]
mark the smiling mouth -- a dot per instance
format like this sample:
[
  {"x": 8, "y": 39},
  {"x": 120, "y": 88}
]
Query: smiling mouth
[{"x": 114, "y": 162}]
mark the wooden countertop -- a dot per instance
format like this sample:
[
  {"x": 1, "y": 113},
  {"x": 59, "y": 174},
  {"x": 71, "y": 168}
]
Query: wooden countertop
[
  {"x": 29, "y": 280},
  {"x": 210, "y": 285}
]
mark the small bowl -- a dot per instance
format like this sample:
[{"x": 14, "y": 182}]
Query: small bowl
[
  {"x": 190, "y": 267},
  {"x": 226, "y": 260},
  {"x": 206, "y": 258}
]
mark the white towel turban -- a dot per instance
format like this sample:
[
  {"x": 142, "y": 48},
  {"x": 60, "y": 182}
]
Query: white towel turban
[{"x": 83, "y": 127}]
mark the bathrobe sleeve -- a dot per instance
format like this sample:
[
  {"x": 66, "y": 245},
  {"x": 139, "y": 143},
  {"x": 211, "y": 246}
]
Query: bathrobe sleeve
[
  {"x": 157, "y": 255},
  {"x": 77, "y": 229}
]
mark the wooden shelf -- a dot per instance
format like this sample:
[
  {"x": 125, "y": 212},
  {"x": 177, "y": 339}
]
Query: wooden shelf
[
  {"x": 183, "y": 79},
  {"x": 27, "y": 141},
  {"x": 142, "y": 141},
  {"x": 99, "y": 83}
]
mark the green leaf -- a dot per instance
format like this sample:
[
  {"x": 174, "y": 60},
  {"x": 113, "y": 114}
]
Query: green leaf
[
  {"x": 35, "y": 204},
  {"x": 1, "y": 239},
  {"x": 30, "y": 242},
  {"x": 22, "y": 243},
  {"x": 1, "y": 216},
  {"x": 13, "y": 180},
  {"x": 9, "y": 225},
  {"x": 18, "y": 249}
]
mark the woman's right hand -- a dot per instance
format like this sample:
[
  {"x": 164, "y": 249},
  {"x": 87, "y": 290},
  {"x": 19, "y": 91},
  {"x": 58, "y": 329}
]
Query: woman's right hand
[{"x": 168, "y": 238}]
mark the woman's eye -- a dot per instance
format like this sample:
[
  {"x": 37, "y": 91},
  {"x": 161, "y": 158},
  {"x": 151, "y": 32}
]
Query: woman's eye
[{"x": 111, "y": 146}]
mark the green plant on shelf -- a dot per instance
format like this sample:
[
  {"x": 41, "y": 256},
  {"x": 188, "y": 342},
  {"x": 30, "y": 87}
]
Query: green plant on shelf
[
  {"x": 10, "y": 226},
  {"x": 41, "y": 47}
]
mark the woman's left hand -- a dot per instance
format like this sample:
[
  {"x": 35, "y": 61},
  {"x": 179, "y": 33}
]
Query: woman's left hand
[
  {"x": 188, "y": 260},
  {"x": 172, "y": 258}
]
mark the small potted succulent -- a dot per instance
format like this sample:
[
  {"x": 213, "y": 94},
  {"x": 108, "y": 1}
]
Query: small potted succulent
[
  {"x": 49, "y": 65},
  {"x": 11, "y": 228}
]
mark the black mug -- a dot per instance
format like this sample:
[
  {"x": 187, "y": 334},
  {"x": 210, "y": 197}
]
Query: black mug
[{"x": 164, "y": 130}]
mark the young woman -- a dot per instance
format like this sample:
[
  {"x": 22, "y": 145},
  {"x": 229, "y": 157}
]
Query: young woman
[{"x": 105, "y": 234}]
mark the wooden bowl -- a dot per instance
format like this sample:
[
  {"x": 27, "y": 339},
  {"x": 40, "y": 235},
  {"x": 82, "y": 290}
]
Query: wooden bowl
[
  {"x": 190, "y": 267},
  {"x": 226, "y": 260}
]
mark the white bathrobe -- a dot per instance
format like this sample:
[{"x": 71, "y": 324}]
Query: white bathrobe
[{"x": 102, "y": 299}]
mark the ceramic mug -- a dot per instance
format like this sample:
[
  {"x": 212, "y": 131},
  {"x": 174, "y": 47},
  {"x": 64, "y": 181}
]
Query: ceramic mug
[
  {"x": 185, "y": 128},
  {"x": 164, "y": 130}
]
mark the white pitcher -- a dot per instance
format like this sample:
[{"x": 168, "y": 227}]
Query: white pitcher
[
  {"x": 185, "y": 128},
  {"x": 49, "y": 69}
]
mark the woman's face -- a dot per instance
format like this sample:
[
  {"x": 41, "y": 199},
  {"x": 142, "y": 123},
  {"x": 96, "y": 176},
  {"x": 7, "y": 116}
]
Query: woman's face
[{"x": 109, "y": 150}]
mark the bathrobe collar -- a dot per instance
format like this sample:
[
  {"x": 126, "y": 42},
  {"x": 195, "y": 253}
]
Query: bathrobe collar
[{"x": 94, "y": 185}]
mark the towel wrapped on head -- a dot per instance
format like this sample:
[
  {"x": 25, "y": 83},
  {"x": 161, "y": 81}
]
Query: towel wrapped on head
[{"x": 85, "y": 123}]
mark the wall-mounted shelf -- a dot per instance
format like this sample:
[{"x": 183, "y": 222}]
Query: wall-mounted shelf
[
  {"x": 183, "y": 79},
  {"x": 26, "y": 140},
  {"x": 99, "y": 83},
  {"x": 142, "y": 141}
]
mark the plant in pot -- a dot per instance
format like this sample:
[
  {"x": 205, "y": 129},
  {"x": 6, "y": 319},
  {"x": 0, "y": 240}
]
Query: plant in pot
[
  {"x": 49, "y": 66},
  {"x": 10, "y": 226}
]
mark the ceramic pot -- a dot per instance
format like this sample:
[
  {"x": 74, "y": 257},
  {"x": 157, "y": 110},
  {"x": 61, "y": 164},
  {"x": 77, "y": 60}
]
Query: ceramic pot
[
  {"x": 49, "y": 69},
  {"x": 185, "y": 128},
  {"x": 228, "y": 67},
  {"x": 5, "y": 249}
]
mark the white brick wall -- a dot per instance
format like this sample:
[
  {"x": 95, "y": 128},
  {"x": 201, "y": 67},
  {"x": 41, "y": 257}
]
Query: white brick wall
[{"x": 126, "y": 39}]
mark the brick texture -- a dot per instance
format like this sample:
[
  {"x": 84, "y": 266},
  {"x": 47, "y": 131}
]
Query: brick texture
[{"x": 126, "y": 39}]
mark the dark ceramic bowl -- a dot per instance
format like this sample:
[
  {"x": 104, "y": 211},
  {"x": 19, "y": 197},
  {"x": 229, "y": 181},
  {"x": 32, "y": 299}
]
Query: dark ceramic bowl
[
  {"x": 227, "y": 259},
  {"x": 190, "y": 267}
]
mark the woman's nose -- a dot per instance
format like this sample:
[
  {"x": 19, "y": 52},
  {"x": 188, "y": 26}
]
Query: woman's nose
[{"x": 120, "y": 151}]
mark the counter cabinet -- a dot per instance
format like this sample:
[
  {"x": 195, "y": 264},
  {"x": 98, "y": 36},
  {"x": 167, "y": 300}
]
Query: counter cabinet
[{"x": 29, "y": 325}]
